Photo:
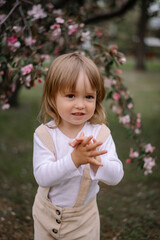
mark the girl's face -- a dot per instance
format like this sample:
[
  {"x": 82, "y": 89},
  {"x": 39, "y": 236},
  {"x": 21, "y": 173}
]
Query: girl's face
[{"x": 78, "y": 106}]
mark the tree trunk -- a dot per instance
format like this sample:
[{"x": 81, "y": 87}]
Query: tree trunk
[
  {"x": 13, "y": 100},
  {"x": 142, "y": 26}
]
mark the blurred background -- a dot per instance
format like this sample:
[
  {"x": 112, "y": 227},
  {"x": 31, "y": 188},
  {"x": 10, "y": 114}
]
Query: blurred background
[{"x": 131, "y": 209}]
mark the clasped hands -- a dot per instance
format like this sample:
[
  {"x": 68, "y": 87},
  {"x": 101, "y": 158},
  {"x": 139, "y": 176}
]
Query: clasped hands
[{"x": 85, "y": 151}]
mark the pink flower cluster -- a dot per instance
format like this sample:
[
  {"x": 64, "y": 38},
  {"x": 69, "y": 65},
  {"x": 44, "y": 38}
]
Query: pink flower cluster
[
  {"x": 26, "y": 69},
  {"x": 116, "y": 96},
  {"x": 148, "y": 161},
  {"x": 85, "y": 36},
  {"x": 37, "y": 12},
  {"x": 124, "y": 119},
  {"x": 56, "y": 33},
  {"x": 13, "y": 43},
  {"x": 73, "y": 28},
  {"x": 29, "y": 41},
  {"x": 149, "y": 148}
]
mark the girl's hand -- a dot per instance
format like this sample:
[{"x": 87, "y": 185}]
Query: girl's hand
[
  {"x": 85, "y": 151},
  {"x": 77, "y": 140}
]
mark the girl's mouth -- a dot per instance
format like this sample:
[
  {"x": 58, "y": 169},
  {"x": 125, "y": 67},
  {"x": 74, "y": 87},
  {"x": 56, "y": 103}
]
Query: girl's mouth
[{"x": 78, "y": 114}]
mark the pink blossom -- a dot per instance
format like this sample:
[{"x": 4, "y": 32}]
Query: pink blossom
[
  {"x": 137, "y": 131},
  {"x": 56, "y": 33},
  {"x": 40, "y": 80},
  {"x": 133, "y": 154},
  {"x": 124, "y": 119},
  {"x": 28, "y": 80},
  {"x": 108, "y": 83},
  {"x": 37, "y": 12},
  {"x": 99, "y": 34},
  {"x": 114, "y": 47},
  {"x": 12, "y": 39},
  {"x": 119, "y": 71},
  {"x": 81, "y": 25},
  {"x": 116, "y": 96},
  {"x": 138, "y": 115},
  {"x": 149, "y": 163},
  {"x": 40, "y": 46},
  {"x": 59, "y": 20},
  {"x": 13, "y": 87},
  {"x": 138, "y": 122},
  {"x": 128, "y": 160},
  {"x": 29, "y": 41},
  {"x": 27, "y": 69},
  {"x": 5, "y": 106},
  {"x": 70, "y": 20},
  {"x": 72, "y": 29},
  {"x": 85, "y": 36},
  {"x": 45, "y": 57},
  {"x": 149, "y": 148},
  {"x": 122, "y": 60},
  {"x": 13, "y": 43},
  {"x": 130, "y": 105},
  {"x": 17, "y": 29},
  {"x": 54, "y": 26},
  {"x": 116, "y": 109},
  {"x": 125, "y": 94},
  {"x": 17, "y": 44}
]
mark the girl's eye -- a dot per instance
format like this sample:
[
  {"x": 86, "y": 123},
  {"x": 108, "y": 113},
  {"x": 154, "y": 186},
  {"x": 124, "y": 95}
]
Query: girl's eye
[
  {"x": 70, "y": 95},
  {"x": 90, "y": 97}
]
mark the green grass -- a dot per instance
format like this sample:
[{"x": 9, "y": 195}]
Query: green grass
[
  {"x": 151, "y": 65},
  {"x": 128, "y": 211}
]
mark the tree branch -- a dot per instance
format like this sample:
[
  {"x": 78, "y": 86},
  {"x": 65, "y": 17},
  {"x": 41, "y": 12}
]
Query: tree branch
[
  {"x": 12, "y": 10},
  {"x": 108, "y": 15},
  {"x": 24, "y": 20}
]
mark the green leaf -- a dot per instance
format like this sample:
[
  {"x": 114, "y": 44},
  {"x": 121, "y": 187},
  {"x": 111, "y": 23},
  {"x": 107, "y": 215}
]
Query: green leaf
[{"x": 109, "y": 95}]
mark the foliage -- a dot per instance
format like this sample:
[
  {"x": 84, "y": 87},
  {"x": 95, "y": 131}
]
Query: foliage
[{"x": 33, "y": 34}]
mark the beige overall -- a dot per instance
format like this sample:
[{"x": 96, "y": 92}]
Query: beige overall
[{"x": 81, "y": 222}]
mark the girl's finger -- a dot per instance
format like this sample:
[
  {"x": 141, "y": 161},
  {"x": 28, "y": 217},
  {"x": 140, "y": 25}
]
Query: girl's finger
[
  {"x": 75, "y": 143},
  {"x": 77, "y": 140},
  {"x": 94, "y": 145},
  {"x": 82, "y": 134},
  {"x": 96, "y": 163},
  {"x": 86, "y": 140},
  {"x": 97, "y": 153}
]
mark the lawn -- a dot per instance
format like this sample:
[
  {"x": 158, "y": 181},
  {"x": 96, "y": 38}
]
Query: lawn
[{"x": 128, "y": 211}]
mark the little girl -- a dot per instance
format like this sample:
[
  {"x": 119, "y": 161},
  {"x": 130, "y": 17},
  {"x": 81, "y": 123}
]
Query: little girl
[{"x": 73, "y": 151}]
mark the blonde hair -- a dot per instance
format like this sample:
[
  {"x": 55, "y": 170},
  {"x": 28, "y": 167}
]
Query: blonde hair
[{"x": 63, "y": 74}]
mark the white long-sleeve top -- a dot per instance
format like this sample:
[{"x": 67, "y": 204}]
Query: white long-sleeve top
[{"x": 61, "y": 174}]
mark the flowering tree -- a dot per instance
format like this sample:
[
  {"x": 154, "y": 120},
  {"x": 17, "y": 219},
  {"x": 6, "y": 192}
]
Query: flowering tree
[{"x": 32, "y": 34}]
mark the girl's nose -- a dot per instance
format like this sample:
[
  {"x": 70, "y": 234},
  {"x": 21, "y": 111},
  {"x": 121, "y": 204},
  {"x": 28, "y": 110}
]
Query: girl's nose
[{"x": 80, "y": 104}]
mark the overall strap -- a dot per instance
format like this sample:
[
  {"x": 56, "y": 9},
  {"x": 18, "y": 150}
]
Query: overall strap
[
  {"x": 86, "y": 179},
  {"x": 47, "y": 140}
]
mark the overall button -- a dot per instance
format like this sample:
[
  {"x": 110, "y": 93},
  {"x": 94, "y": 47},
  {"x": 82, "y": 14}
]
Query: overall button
[
  {"x": 54, "y": 230},
  {"x": 58, "y": 221},
  {"x": 58, "y": 212}
]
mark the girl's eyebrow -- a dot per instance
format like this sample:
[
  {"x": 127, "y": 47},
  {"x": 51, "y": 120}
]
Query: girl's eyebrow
[{"x": 92, "y": 93}]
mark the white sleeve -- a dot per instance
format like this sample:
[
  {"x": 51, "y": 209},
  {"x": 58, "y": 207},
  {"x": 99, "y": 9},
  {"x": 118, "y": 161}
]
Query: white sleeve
[
  {"x": 111, "y": 172},
  {"x": 49, "y": 172}
]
